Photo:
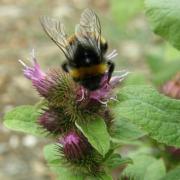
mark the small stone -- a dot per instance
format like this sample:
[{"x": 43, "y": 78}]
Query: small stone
[
  {"x": 3, "y": 148},
  {"x": 14, "y": 141},
  {"x": 29, "y": 141}
]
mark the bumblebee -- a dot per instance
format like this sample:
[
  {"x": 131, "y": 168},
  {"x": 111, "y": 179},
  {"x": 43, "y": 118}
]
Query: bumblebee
[{"x": 84, "y": 51}]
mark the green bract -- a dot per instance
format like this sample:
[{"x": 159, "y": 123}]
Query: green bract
[{"x": 96, "y": 132}]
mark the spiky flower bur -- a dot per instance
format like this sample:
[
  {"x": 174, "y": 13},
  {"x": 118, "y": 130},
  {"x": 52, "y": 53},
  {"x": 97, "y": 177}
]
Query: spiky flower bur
[
  {"x": 54, "y": 121},
  {"x": 172, "y": 87},
  {"x": 62, "y": 90},
  {"x": 55, "y": 86},
  {"x": 78, "y": 152},
  {"x": 75, "y": 147},
  {"x": 95, "y": 102},
  {"x": 52, "y": 85}
]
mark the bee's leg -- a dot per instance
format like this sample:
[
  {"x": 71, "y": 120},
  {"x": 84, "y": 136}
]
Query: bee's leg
[
  {"x": 65, "y": 66},
  {"x": 111, "y": 69}
]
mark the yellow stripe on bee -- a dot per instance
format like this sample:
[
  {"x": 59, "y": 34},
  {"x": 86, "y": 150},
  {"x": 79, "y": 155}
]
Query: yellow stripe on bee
[
  {"x": 91, "y": 70},
  {"x": 103, "y": 40},
  {"x": 72, "y": 39}
]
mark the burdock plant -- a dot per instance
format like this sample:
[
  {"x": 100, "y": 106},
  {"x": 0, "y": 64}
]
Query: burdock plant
[
  {"x": 78, "y": 118},
  {"x": 94, "y": 131},
  {"x": 88, "y": 126}
]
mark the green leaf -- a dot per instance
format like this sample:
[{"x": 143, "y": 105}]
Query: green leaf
[
  {"x": 159, "y": 67},
  {"x": 142, "y": 150},
  {"x": 138, "y": 169},
  {"x": 164, "y": 16},
  {"x": 24, "y": 119},
  {"x": 173, "y": 174},
  {"x": 53, "y": 157},
  {"x": 102, "y": 177},
  {"x": 115, "y": 160},
  {"x": 154, "y": 113},
  {"x": 145, "y": 167},
  {"x": 96, "y": 132},
  {"x": 118, "y": 143},
  {"x": 137, "y": 78},
  {"x": 125, "y": 130},
  {"x": 158, "y": 169},
  {"x": 105, "y": 177},
  {"x": 171, "y": 53},
  {"x": 156, "y": 61},
  {"x": 165, "y": 75}
]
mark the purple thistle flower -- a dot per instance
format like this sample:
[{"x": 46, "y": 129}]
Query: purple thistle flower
[
  {"x": 75, "y": 146},
  {"x": 36, "y": 75},
  {"x": 33, "y": 73},
  {"x": 61, "y": 91},
  {"x": 104, "y": 93}
]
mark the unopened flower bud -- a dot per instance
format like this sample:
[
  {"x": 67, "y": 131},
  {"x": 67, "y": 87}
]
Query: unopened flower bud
[
  {"x": 172, "y": 87},
  {"x": 75, "y": 147},
  {"x": 54, "y": 121},
  {"x": 175, "y": 152}
]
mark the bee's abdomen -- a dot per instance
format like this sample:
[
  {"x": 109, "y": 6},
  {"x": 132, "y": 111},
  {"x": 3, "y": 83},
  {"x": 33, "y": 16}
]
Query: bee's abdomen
[
  {"x": 92, "y": 83},
  {"x": 84, "y": 72}
]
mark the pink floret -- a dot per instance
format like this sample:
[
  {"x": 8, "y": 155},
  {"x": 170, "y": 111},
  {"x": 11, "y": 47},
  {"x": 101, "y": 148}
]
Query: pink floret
[
  {"x": 104, "y": 93},
  {"x": 34, "y": 73}
]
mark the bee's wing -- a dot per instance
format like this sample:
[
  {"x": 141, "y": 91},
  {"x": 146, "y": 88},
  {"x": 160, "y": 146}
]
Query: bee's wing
[
  {"x": 89, "y": 28},
  {"x": 55, "y": 30}
]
